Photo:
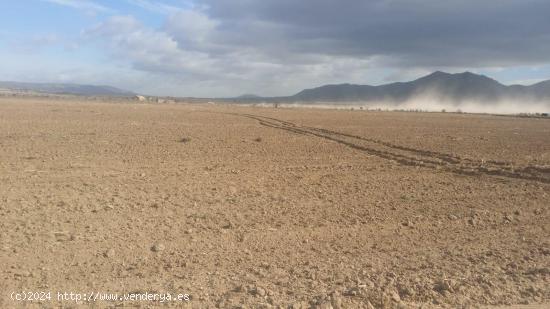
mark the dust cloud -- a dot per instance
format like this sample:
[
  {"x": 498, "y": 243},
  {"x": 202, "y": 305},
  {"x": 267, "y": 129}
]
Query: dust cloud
[{"x": 432, "y": 104}]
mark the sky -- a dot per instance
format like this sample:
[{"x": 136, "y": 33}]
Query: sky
[{"x": 224, "y": 48}]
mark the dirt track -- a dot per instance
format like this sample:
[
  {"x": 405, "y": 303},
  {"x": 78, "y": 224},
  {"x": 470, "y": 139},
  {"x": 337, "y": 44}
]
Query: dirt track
[{"x": 273, "y": 207}]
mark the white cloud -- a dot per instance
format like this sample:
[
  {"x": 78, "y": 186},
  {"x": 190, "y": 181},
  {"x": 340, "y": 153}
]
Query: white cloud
[
  {"x": 148, "y": 49},
  {"x": 191, "y": 27},
  {"x": 526, "y": 82},
  {"x": 157, "y": 7},
  {"x": 84, "y": 5},
  {"x": 32, "y": 44}
]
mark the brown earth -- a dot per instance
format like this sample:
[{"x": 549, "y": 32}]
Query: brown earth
[{"x": 272, "y": 208}]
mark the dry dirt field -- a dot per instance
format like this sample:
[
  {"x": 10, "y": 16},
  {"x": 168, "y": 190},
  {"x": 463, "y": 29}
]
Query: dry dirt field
[{"x": 244, "y": 207}]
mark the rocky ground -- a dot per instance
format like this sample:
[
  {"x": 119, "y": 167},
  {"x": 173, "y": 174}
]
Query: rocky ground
[{"x": 272, "y": 208}]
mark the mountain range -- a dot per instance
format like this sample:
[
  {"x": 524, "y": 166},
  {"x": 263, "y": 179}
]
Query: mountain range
[
  {"x": 438, "y": 85},
  {"x": 441, "y": 86},
  {"x": 75, "y": 89}
]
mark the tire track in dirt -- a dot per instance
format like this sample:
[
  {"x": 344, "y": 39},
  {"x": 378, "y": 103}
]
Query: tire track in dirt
[{"x": 412, "y": 156}]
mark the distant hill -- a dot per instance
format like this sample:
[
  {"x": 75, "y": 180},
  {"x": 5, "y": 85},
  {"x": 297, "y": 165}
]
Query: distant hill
[
  {"x": 249, "y": 96},
  {"x": 541, "y": 89},
  {"x": 440, "y": 85},
  {"x": 87, "y": 90}
]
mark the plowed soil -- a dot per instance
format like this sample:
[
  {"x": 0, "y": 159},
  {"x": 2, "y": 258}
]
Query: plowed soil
[{"x": 272, "y": 208}]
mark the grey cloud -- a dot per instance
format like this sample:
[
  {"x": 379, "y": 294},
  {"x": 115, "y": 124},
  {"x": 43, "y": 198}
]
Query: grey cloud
[{"x": 417, "y": 32}]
